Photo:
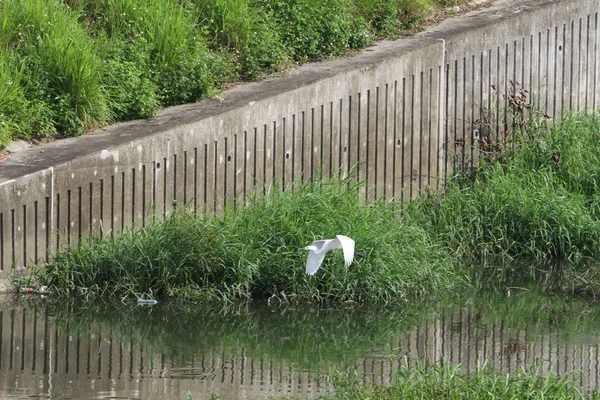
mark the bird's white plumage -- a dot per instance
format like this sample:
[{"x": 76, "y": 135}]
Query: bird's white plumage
[{"x": 318, "y": 249}]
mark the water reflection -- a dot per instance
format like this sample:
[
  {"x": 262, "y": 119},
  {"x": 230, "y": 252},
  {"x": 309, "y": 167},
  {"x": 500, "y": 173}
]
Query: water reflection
[{"x": 107, "y": 351}]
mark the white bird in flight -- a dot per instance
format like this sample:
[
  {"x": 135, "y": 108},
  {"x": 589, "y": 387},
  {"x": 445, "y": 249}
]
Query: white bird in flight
[{"x": 318, "y": 249}]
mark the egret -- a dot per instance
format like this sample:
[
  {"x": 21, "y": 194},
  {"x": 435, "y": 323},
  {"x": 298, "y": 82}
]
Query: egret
[{"x": 318, "y": 249}]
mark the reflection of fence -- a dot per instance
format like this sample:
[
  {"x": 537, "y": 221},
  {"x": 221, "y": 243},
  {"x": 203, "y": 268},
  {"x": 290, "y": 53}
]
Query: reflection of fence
[
  {"x": 36, "y": 359},
  {"x": 408, "y": 112}
]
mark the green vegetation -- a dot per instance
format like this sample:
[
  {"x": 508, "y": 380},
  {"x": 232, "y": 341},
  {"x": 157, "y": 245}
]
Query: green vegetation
[
  {"x": 537, "y": 204},
  {"x": 446, "y": 381},
  {"x": 254, "y": 252},
  {"x": 538, "y": 200},
  {"x": 67, "y": 66},
  {"x": 308, "y": 336},
  {"x": 535, "y": 198}
]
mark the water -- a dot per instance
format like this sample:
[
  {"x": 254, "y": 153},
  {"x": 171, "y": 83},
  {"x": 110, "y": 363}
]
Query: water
[{"x": 163, "y": 352}]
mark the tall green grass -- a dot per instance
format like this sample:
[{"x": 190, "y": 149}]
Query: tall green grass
[
  {"x": 61, "y": 67},
  {"x": 254, "y": 252},
  {"x": 19, "y": 116},
  {"x": 79, "y": 64},
  {"x": 427, "y": 380},
  {"x": 539, "y": 202},
  {"x": 246, "y": 30}
]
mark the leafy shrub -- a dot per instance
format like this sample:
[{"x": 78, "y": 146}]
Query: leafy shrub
[
  {"x": 131, "y": 91},
  {"x": 389, "y": 17},
  {"x": 315, "y": 30}
]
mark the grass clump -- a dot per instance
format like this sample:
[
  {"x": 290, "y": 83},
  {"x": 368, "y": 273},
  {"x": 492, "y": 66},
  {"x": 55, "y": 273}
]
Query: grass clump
[
  {"x": 19, "y": 116},
  {"x": 254, "y": 252},
  {"x": 445, "y": 381},
  {"x": 538, "y": 202},
  {"x": 60, "y": 66},
  {"x": 535, "y": 200}
]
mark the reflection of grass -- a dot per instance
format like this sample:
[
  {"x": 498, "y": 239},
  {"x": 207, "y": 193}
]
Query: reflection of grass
[
  {"x": 446, "y": 381},
  {"x": 304, "y": 336},
  {"x": 526, "y": 305},
  {"x": 316, "y": 338}
]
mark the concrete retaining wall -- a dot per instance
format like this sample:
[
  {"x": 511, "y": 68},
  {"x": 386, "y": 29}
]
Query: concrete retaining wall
[{"x": 407, "y": 112}]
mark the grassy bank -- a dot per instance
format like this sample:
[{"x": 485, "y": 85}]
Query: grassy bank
[
  {"x": 254, "y": 252},
  {"x": 537, "y": 205},
  {"x": 535, "y": 201},
  {"x": 538, "y": 199},
  {"x": 67, "y": 66}
]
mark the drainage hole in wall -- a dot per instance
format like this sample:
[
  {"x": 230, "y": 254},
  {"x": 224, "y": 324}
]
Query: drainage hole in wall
[
  {"x": 559, "y": 47},
  {"x": 228, "y": 158},
  {"x": 345, "y": 149},
  {"x": 157, "y": 165},
  {"x": 398, "y": 142},
  {"x": 287, "y": 156}
]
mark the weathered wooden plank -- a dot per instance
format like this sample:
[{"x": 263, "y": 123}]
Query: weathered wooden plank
[
  {"x": 238, "y": 169},
  {"x": 118, "y": 200},
  {"x": 260, "y": 152},
  {"x": 221, "y": 167},
  {"x": 380, "y": 141},
  {"x": 425, "y": 133}
]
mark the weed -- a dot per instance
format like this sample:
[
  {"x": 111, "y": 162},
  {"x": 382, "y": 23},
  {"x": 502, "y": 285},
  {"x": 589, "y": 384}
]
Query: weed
[
  {"x": 80, "y": 64},
  {"x": 539, "y": 201},
  {"x": 428, "y": 380},
  {"x": 61, "y": 64},
  {"x": 254, "y": 252}
]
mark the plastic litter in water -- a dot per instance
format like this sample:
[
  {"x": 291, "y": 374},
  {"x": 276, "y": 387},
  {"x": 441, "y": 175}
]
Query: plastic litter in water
[{"x": 147, "y": 302}]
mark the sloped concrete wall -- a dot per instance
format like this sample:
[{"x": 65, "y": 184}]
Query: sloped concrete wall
[{"x": 405, "y": 113}]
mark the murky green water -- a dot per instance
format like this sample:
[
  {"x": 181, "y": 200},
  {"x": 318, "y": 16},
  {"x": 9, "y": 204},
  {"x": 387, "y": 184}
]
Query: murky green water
[{"x": 162, "y": 352}]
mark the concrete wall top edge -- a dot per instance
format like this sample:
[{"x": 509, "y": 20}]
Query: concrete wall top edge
[{"x": 61, "y": 152}]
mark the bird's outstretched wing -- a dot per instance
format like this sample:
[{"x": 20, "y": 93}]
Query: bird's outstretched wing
[
  {"x": 319, "y": 243},
  {"x": 348, "y": 248},
  {"x": 314, "y": 261}
]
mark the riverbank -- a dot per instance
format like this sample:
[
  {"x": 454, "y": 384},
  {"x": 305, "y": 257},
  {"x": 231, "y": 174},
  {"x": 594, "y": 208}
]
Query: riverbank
[
  {"x": 533, "y": 202},
  {"x": 67, "y": 67}
]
